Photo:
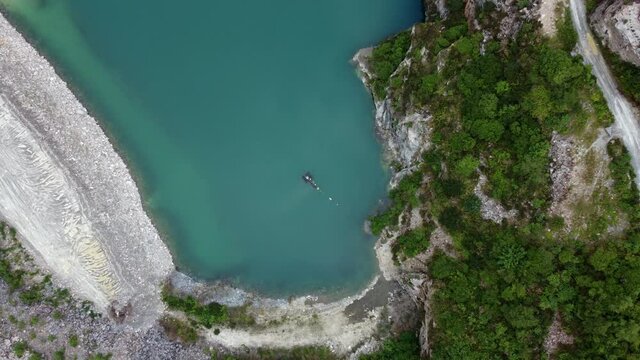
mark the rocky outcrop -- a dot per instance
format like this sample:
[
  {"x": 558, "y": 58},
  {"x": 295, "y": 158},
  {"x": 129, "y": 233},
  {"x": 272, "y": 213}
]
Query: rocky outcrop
[
  {"x": 491, "y": 209},
  {"x": 617, "y": 23},
  {"x": 404, "y": 137},
  {"x": 71, "y": 196}
]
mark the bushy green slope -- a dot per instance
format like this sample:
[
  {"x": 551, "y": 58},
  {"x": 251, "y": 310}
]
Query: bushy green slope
[{"x": 495, "y": 106}]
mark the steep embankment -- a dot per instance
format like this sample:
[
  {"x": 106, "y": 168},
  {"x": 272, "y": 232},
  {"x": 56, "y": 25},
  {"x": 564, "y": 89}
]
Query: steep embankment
[
  {"x": 69, "y": 193},
  {"x": 617, "y": 23},
  {"x": 627, "y": 123}
]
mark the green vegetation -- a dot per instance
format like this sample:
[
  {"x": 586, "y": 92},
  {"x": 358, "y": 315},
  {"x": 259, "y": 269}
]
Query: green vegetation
[
  {"x": 413, "y": 242},
  {"x": 100, "y": 356},
  {"x": 486, "y": 109},
  {"x": 73, "y": 340},
  {"x": 297, "y": 353},
  {"x": 35, "y": 356},
  {"x": 57, "y": 315},
  {"x": 566, "y": 36},
  {"x": 58, "y": 355},
  {"x": 179, "y": 330},
  {"x": 205, "y": 315},
  {"x": 591, "y": 5},
  {"x": 20, "y": 348},
  {"x": 12, "y": 278},
  {"x": 626, "y": 74},
  {"x": 624, "y": 185},
  {"x": 32, "y": 295},
  {"x": 499, "y": 298},
  {"x": 385, "y": 58},
  {"x": 400, "y": 197},
  {"x": 404, "y": 347},
  {"x": 14, "y": 266},
  {"x": 494, "y": 113},
  {"x": 59, "y": 297}
]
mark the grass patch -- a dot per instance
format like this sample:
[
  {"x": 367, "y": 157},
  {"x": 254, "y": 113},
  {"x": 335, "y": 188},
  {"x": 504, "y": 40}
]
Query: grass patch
[
  {"x": 20, "y": 348},
  {"x": 207, "y": 315},
  {"x": 179, "y": 330}
]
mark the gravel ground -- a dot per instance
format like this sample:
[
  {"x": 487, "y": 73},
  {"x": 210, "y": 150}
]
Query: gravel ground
[
  {"x": 101, "y": 335},
  {"x": 54, "y": 320}
]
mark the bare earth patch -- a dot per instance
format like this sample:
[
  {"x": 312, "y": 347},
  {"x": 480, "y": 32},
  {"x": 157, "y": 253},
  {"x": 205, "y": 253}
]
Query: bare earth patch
[
  {"x": 556, "y": 336},
  {"x": 548, "y": 15}
]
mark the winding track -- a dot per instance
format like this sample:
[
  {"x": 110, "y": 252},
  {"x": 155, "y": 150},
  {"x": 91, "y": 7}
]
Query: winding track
[{"x": 627, "y": 124}]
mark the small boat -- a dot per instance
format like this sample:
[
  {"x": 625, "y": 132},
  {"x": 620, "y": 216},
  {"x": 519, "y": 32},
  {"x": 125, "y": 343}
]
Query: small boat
[{"x": 309, "y": 180}]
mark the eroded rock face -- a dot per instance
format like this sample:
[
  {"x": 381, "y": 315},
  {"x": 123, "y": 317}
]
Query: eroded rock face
[
  {"x": 404, "y": 137},
  {"x": 617, "y": 23},
  {"x": 66, "y": 190}
]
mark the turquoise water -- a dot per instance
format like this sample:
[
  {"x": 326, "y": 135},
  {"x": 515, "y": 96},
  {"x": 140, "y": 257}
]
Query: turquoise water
[{"x": 221, "y": 106}]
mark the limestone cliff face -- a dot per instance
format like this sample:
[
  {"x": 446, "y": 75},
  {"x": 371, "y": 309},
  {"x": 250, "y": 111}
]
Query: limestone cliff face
[
  {"x": 617, "y": 23},
  {"x": 404, "y": 136}
]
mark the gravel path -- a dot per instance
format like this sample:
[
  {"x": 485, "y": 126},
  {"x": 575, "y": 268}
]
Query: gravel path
[{"x": 626, "y": 118}]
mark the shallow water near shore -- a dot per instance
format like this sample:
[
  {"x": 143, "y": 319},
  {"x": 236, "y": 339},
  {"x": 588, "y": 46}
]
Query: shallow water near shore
[{"x": 221, "y": 106}]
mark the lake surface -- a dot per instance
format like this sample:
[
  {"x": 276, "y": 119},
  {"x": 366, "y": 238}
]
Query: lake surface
[{"x": 220, "y": 107}]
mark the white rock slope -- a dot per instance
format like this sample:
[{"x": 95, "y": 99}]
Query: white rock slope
[{"x": 66, "y": 190}]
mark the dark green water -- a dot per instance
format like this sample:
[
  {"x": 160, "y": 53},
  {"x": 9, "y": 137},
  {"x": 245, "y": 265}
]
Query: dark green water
[{"x": 221, "y": 106}]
